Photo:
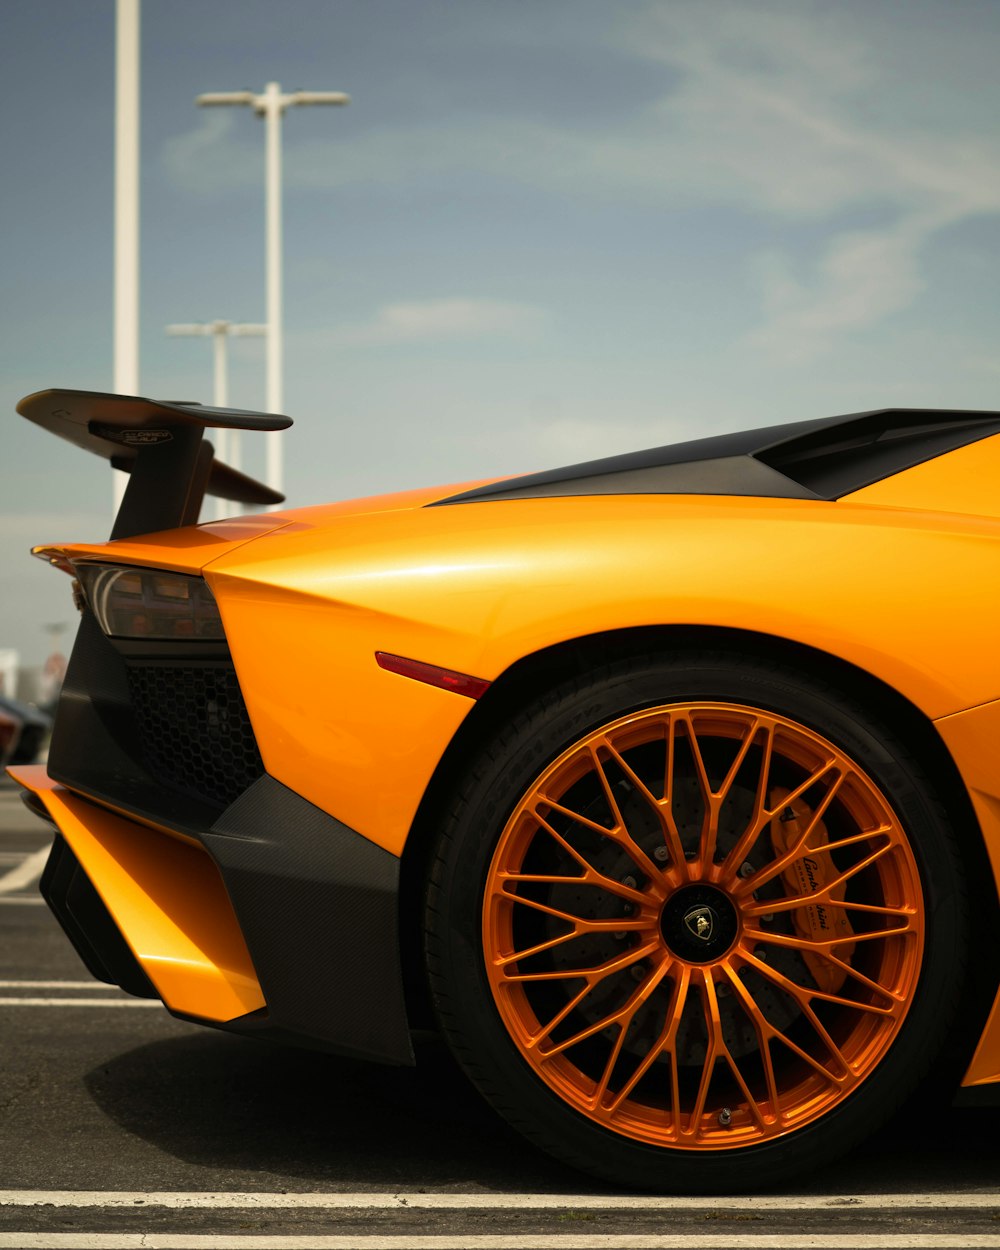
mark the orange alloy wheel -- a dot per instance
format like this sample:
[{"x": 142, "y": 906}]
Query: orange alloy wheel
[{"x": 703, "y": 926}]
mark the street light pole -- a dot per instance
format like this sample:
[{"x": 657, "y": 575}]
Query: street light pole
[
  {"x": 275, "y": 311},
  {"x": 126, "y": 244},
  {"x": 227, "y": 441},
  {"x": 271, "y": 105}
]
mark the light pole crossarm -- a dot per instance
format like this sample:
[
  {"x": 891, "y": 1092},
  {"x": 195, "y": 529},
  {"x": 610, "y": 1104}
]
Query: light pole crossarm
[
  {"x": 318, "y": 97},
  {"x": 226, "y": 97}
]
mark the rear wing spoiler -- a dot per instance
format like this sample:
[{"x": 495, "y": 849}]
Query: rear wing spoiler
[{"x": 161, "y": 445}]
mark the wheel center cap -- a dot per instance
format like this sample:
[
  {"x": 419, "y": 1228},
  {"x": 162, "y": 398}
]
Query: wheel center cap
[{"x": 699, "y": 923}]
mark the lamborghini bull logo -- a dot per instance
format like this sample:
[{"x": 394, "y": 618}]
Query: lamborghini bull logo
[{"x": 700, "y": 921}]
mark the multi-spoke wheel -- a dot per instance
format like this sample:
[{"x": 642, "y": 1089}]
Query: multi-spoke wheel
[{"x": 696, "y": 925}]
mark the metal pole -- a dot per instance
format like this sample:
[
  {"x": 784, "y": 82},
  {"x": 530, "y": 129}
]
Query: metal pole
[
  {"x": 126, "y": 243},
  {"x": 220, "y": 397},
  {"x": 273, "y": 109},
  {"x": 220, "y": 392},
  {"x": 241, "y": 329}
]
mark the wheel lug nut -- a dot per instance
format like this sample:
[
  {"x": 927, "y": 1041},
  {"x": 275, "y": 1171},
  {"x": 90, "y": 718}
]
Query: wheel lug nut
[
  {"x": 661, "y": 854},
  {"x": 746, "y": 869},
  {"x": 725, "y": 1117}
]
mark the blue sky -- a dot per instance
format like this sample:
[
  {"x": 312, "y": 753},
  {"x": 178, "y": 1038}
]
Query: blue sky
[{"x": 541, "y": 231}]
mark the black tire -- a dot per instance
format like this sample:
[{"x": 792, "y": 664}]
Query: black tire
[{"x": 482, "y": 1038}]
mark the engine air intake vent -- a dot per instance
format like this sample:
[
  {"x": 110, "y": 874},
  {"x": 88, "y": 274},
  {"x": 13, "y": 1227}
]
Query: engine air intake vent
[{"x": 194, "y": 729}]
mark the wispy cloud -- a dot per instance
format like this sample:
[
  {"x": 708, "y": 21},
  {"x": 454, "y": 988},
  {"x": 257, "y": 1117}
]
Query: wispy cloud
[
  {"x": 861, "y": 278},
  {"x": 443, "y": 320},
  {"x": 212, "y": 155},
  {"x": 773, "y": 106},
  {"x": 778, "y": 101}
]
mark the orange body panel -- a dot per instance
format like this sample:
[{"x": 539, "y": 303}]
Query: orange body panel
[{"x": 168, "y": 900}]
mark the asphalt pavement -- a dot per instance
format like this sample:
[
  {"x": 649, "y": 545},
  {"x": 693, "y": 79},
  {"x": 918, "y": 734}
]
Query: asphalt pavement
[{"x": 120, "y": 1126}]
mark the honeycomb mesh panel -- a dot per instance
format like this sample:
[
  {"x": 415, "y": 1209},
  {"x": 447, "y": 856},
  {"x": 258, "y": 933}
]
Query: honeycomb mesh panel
[{"x": 194, "y": 729}]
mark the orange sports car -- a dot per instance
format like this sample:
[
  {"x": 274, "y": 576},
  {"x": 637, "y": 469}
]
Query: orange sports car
[{"x": 666, "y": 786}]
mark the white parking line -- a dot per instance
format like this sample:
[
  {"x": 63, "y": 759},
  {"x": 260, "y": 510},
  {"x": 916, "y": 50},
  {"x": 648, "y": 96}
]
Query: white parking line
[
  {"x": 56, "y": 985},
  {"x": 26, "y": 873},
  {"x": 21, "y": 900},
  {"x": 501, "y": 1241},
  {"x": 80, "y": 1002},
  {"x": 186, "y": 1200}
]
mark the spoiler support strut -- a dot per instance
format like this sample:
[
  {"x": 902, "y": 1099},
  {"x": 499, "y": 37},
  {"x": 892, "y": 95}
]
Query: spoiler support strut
[
  {"x": 152, "y": 500},
  {"x": 161, "y": 445}
]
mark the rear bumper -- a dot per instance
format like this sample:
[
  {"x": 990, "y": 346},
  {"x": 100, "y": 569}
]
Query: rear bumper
[
  {"x": 276, "y": 921},
  {"x": 190, "y": 872}
]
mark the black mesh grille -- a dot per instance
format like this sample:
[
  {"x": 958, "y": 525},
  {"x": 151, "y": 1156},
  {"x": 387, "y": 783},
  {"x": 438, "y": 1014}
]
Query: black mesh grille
[{"x": 194, "y": 729}]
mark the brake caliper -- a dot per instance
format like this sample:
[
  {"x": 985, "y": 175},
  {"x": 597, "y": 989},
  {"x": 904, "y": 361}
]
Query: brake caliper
[{"x": 809, "y": 874}]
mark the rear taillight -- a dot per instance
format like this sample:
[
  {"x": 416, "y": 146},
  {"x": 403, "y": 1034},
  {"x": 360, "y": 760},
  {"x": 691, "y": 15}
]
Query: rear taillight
[{"x": 149, "y": 603}]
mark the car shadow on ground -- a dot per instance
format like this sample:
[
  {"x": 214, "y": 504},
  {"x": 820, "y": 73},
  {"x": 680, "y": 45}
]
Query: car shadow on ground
[
  {"x": 234, "y": 1105},
  {"x": 243, "y": 1110}
]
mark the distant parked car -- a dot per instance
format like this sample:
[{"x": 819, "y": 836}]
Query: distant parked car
[
  {"x": 10, "y": 733},
  {"x": 32, "y": 730}
]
